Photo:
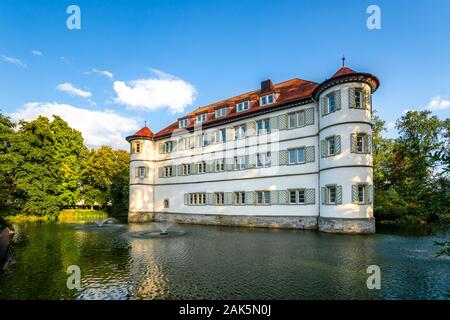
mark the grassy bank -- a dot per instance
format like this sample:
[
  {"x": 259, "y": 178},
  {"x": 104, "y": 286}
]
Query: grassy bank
[{"x": 66, "y": 216}]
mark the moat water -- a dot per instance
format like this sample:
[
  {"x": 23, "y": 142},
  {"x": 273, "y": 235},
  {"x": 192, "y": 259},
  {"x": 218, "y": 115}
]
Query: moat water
[{"x": 209, "y": 262}]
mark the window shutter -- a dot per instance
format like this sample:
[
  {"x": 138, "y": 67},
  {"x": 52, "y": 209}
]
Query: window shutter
[
  {"x": 274, "y": 196},
  {"x": 282, "y": 121},
  {"x": 147, "y": 171},
  {"x": 283, "y": 157},
  {"x": 366, "y": 143},
  {"x": 228, "y": 198},
  {"x": 309, "y": 154},
  {"x": 180, "y": 169},
  {"x": 322, "y": 148},
  {"x": 174, "y": 172},
  {"x": 161, "y": 148},
  {"x": 310, "y": 196},
  {"x": 369, "y": 144},
  {"x": 371, "y": 195},
  {"x": 174, "y": 146},
  {"x": 229, "y": 133},
  {"x": 274, "y": 124},
  {"x": 251, "y": 128},
  {"x": 193, "y": 168},
  {"x": 249, "y": 197},
  {"x": 229, "y": 164},
  {"x": 309, "y": 116},
  {"x": 252, "y": 161},
  {"x": 354, "y": 193},
  {"x": 210, "y": 199},
  {"x": 337, "y": 99},
  {"x": 186, "y": 199},
  {"x": 322, "y": 106},
  {"x": 323, "y": 195},
  {"x": 366, "y": 104},
  {"x": 351, "y": 98},
  {"x": 283, "y": 197},
  {"x": 337, "y": 144},
  {"x": 353, "y": 142},
  {"x": 338, "y": 194},
  {"x": 161, "y": 172}
]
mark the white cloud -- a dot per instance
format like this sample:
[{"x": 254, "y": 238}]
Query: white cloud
[
  {"x": 37, "y": 53},
  {"x": 98, "y": 128},
  {"x": 390, "y": 126},
  {"x": 164, "y": 91},
  {"x": 438, "y": 103},
  {"x": 72, "y": 90},
  {"x": 104, "y": 73},
  {"x": 12, "y": 60}
]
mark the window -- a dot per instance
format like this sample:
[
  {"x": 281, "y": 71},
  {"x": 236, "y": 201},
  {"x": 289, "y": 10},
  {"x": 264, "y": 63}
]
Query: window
[
  {"x": 263, "y": 159},
  {"x": 297, "y": 156},
  {"x": 186, "y": 169},
  {"x": 242, "y": 106},
  {"x": 201, "y": 118},
  {"x": 266, "y": 100},
  {"x": 331, "y": 146},
  {"x": 296, "y": 119},
  {"x": 219, "y": 165},
  {"x": 331, "y": 194},
  {"x": 331, "y": 103},
  {"x": 183, "y": 123},
  {"x": 358, "y": 98},
  {"x": 136, "y": 147},
  {"x": 239, "y": 132},
  {"x": 142, "y": 172},
  {"x": 219, "y": 198},
  {"x": 196, "y": 199},
  {"x": 166, "y": 203},
  {"x": 221, "y": 113},
  {"x": 239, "y": 163},
  {"x": 293, "y": 196},
  {"x": 360, "y": 145},
  {"x": 263, "y": 126},
  {"x": 168, "y": 147},
  {"x": 167, "y": 171},
  {"x": 297, "y": 196},
  {"x": 239, "y": 198},
  {"x": 201, "y": 167},
  {"x": 361, "y": 193},
  {"x": 263, "y": 197},
  {"x": 221, "y": 135}
]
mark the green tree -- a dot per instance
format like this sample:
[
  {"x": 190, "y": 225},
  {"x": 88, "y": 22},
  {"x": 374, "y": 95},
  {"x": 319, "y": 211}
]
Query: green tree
[
  {"x": 105, "y": 177},
  {"x": 7, "y": 185}
]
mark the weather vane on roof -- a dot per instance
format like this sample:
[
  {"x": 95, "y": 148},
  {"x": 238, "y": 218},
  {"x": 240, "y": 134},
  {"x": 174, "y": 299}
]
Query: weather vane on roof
[{"x": 343, "y": 60}]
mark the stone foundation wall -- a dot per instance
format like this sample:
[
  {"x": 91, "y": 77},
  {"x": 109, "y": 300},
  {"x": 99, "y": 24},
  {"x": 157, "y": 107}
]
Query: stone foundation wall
[
  {"x": 289, "y": 222},
  {"x": 330, "y": 225},
  {"x": 348, "y": 226}
]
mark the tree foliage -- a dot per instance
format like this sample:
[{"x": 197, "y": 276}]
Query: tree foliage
[{"x": 44, "y": 167}]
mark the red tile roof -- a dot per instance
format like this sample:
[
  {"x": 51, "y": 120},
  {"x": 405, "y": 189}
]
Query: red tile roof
[
  {"x": 343, "y": 71},
  {"x": 288, "y": 91},
  {"x": 145, "y": 132}
]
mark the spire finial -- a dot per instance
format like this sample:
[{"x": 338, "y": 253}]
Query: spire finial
[
  {"x": 343, "y": 60},
  {"x": 145, "y": 123}
]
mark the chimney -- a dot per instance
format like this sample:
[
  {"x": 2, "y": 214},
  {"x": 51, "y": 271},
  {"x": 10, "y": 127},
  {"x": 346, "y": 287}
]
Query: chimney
[{"x": 266, "y": 85}]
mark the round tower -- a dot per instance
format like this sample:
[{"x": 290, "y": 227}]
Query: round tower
[
  {"x": 142, "y": 165},
  {"x": 345, "y": 152}
]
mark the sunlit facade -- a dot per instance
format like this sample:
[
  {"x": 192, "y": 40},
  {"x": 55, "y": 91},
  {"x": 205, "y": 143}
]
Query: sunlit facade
[{"x": 297, "y": 154}]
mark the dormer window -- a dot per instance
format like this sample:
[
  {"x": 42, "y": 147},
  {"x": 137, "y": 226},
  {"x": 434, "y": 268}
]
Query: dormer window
[
  {"x": 201, "y": 118},
  {"x": 183, "y": 123},
  {"x": 267, "y": 99},
  {"x": 221, "y": 113},
  {"x": 242, "y": 106}
]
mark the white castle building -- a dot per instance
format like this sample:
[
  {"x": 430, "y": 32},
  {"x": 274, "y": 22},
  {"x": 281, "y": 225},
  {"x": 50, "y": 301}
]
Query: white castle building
[{"x": 297, "y": 154}]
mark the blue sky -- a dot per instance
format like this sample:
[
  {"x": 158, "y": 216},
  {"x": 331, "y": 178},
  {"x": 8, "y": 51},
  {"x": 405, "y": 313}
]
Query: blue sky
[{"x": 192, "y": 53}]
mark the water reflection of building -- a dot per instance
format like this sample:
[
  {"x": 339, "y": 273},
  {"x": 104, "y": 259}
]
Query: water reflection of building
[{"x": 294, "y": 154}]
